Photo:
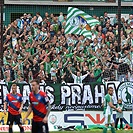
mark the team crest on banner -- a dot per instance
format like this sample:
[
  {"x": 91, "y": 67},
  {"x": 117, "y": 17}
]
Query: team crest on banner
[
  {"x": 125, "y": 92},
  {"x": 81, "y": 22},
  {"x": 52, "y": 119}
]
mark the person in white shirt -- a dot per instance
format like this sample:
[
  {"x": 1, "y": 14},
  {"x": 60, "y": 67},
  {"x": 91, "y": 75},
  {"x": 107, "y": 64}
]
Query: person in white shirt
[
  {"x": 78, "y": 78},
  {"x": 53, "y": 70},
  {"x": 39, "y": 18}
]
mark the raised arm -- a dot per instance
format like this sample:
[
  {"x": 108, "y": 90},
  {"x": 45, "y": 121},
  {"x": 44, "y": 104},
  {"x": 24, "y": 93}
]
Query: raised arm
[{"x": 84, "y": 76}]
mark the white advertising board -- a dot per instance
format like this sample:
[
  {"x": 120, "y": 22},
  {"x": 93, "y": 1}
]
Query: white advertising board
[{"x": 65, "y": 119}]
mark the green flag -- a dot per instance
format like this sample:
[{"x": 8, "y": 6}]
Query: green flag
[{"x": 79, "y": 22}]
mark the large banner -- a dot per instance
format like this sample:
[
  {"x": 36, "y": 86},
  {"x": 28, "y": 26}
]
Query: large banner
[{"x": 75, "y": 96}]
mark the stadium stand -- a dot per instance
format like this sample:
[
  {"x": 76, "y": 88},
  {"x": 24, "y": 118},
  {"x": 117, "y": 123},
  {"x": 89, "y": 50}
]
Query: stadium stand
[{"x": 36, "y": 46}]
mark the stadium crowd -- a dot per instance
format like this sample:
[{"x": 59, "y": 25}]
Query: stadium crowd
[{"x": 37, "y": 47}]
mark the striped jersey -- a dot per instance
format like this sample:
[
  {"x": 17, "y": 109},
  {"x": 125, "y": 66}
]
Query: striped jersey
[
  {"x": 38, "y": 103},
  {"x": 107, "y": 109},
  {"x": 14, "y": 103}
]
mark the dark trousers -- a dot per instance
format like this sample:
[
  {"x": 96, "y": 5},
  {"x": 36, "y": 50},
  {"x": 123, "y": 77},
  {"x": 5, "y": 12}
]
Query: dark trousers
[
  {"x": 116, "y": 122},
  {"x": 39, "y": 127}
]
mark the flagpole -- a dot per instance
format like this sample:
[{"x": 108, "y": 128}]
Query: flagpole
[
  {"x": 119, "y": 25},
  {"x": 132, "y": 110},
  {"x": 1, "y": 36}
]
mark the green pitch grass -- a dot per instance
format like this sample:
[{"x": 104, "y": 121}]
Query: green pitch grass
[
  {"x": 94, "y": 131},
  {"x": 90, "y": 131}
]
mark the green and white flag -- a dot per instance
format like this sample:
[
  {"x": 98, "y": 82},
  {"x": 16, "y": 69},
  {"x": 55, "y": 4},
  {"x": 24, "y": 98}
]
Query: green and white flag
[{"x": 79, "y": 22}]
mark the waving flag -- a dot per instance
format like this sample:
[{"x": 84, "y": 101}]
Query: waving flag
[{"x": 79, "y": 22}]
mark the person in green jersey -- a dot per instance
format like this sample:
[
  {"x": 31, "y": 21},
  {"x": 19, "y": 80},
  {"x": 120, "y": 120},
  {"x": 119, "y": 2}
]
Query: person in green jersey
[{"x": 108, "y": 111}]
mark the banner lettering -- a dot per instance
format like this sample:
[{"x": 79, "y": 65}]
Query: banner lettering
[{"x": 74, "y": 96}]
